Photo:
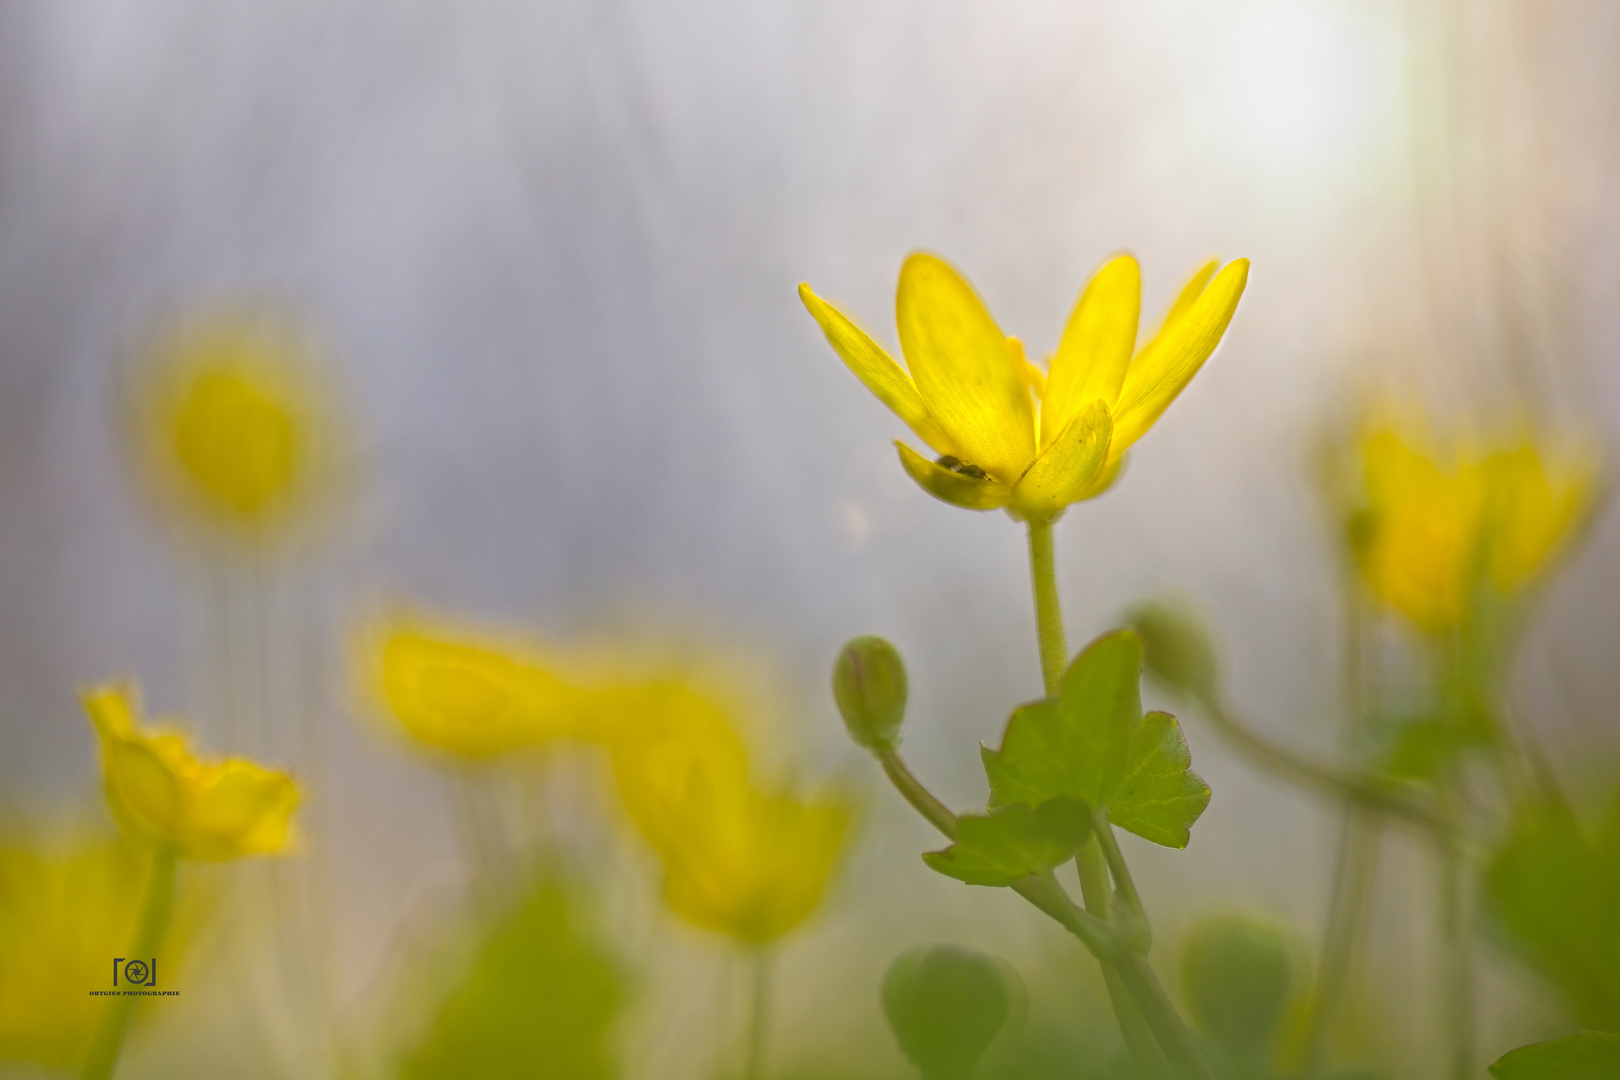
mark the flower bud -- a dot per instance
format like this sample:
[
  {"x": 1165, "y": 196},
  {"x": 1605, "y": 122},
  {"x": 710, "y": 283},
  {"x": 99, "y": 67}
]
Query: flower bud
[
  {"x": 946, "y": 1006},
  {"x": 1176, "y": 648},
  {"x": 869, "y": 683}
]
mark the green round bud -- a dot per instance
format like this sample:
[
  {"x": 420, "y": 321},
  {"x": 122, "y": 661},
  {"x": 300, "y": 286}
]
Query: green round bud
[
  {"x": 869, "y": 684},
  {"x": 946, "y": 1006},
  {"x": 1175, "y": 647}
]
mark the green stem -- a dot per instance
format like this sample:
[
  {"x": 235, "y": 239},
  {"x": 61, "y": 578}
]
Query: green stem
[
  {"x": 1352, "y": 889},
  {"x": 758, "y": 1015},
  {"x": 1048, "y": 614},
  {"x": 156, "y": 904},
  {"x": 1139, "y": 1041},
  {"x": 1458, "y": 965},
  {"x": 1140, "y": 933},
  {"x": 1099, "y": 938},
  {"x": 1355, "y": 785},
  {"x": 933, "y": 811},
  {"x": 1156, "y": 1009}
]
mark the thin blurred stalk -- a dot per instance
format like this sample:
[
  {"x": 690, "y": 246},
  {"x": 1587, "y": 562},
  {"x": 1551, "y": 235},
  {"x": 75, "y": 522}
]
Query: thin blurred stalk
[
  {"x": 759, "y": 1012},
  {"x": 477, "y": 846},
  {"x": 1360, "y": 835},
  {"x": 157, "y": 903},
  {"x": 1458, "y": 966}
]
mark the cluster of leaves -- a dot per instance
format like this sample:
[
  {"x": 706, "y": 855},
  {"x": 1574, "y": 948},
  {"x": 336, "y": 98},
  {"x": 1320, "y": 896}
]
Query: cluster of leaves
[{"x": 1087, "y": 750}]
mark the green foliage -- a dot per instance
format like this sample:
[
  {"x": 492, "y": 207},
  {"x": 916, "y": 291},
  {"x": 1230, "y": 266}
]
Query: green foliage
[
  {"x": 539, "y": 1001},
  {"x": 946, "y": 1005},
  {"x": 1176, "y": 647},
  {"x": 1240, "y": 975},
  {"x": 869, "y": 684},
  {"x": 1555, "y": 892},
  {"x": 1013, "y": 842},
  {"x": 1092, "y": 743},
  {"x": 1589, "y": 1056}
]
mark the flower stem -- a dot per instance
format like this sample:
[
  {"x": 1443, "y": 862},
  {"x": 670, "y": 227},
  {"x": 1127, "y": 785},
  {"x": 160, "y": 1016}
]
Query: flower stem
[
  {"x": 1458, "y": 962},
  {"x": 1347, "y": 915},
  {"x": 156, "y": 904},
  {"x": 1128, "y": 969},
  {"x": 1139, "y": 1041},
  {"x": 1048, "y": 613},
  {"x": 1355, "y": 785},
  {"x": 759, "y": 1009}
]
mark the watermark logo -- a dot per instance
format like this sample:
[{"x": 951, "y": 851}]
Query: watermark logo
[
  {"x": 134, "y": 977},
  {"x": 136, "y": 972}
]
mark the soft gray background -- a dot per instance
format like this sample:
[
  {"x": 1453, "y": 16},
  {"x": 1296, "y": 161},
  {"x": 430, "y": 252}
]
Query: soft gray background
[{"x": 552, "y": 250}]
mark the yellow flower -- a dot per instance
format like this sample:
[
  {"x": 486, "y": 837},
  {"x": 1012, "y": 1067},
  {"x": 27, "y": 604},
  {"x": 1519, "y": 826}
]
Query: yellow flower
[
  {"x": 65, "y": 912},
  {"x": 230, "y": 422},
  {"x": 1433, "y": 527},
  {"x": 741, "y": 859},
  {"x": 1009, "y": 435},
  {"x": 162, "y": 791},
  {"x": 470, "y": 697}
]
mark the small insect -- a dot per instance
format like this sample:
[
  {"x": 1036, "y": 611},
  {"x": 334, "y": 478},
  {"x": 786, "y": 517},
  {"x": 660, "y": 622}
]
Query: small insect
[{"x": 957, "y": 465}]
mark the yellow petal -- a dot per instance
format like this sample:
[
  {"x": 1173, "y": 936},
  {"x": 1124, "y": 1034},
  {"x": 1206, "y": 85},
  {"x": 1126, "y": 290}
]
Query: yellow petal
[
  {"x": 1034, "y": 376},
  {"x": 143, "y": 790},
  {"x": 958, "y": 489},
  {"x": 1067, "y": 469},
  {"x": 1096, "y": 347},
  {"x": 1172, "y": 358},
  {"x": 673, "y": 752},
  {"x": 471, "y": 700},
  {"x": 1192, "y": 290},
  {"x": 240, "y": 809},
  {"x": 960, "y": 361},
  {"x": 877, "y": 369},
  {"x": 110, "y": 710},
  {"x": 757, "y": 874}
]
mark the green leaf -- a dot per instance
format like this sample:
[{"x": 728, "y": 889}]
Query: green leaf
[
  {"x": 539, "y": 1001},
  {"x": 1092, "y": 743},
  {"x": 1589, "y": 1056},
  {"x": 1013, "y": 842},
  {"x": 1555, "y": 891},
  {"x": 946, "y": 1006},
  {"x": 1240, "y": 974}
]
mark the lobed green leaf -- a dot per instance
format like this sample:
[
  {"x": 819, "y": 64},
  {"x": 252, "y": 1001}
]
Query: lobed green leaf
[
  {"x": 1092, "y": 743},
  {"x": 1013, "y": 842}
]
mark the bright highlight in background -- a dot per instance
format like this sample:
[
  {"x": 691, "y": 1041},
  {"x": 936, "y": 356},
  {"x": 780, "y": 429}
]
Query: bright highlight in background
[{"x": 1309, "y": 81}]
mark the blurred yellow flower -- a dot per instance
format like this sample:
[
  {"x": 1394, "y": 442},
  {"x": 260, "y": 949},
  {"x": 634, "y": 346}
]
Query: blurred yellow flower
[
  {"x": 160, "y": 790},
  {"x": 1432, "y": 528},
  {"x": 1008, "y": 434},
  {"x": 65, "y": 913},
  {"x": 469, "y": 696},
  {"x": 230, "y": 423},
  {"x": 741, "y": 859}
]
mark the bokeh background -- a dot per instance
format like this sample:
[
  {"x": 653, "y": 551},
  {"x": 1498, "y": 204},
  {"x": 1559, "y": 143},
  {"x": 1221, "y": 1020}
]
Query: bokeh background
[{"x": 550, "y": 250}]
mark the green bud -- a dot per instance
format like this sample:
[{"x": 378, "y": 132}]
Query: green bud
[
  {"x": 869, "y": 683},
  {"x": 947, "y": 1005},
  {"x": 1176, "y": 648}
]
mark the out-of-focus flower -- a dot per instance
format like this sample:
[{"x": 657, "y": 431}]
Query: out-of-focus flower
[
  {"x": 160, "y": 790},
  {"x": 1433, "y": 527},
  {"x": 230, "y": 425},
  {"x": 65, "y": 913},
  {"x": 469, "y": 695},
  {"x": 1009, "y": 435},
  {"x": 742, "y": 859}
]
